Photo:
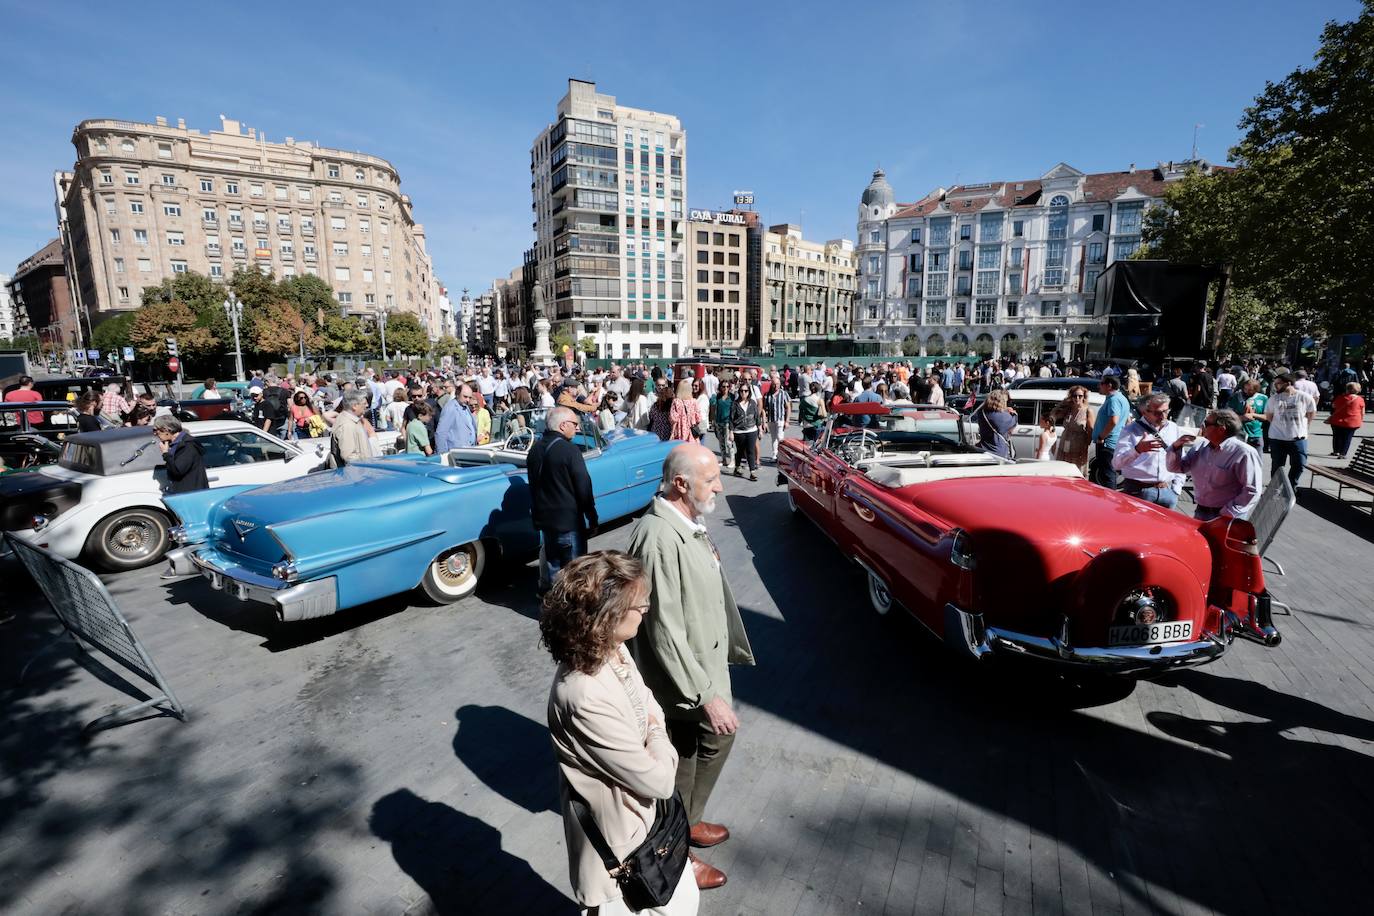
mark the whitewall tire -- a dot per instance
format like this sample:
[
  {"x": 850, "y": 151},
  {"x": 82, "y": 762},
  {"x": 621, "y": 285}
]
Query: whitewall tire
[{"x": 453, "y": 574}]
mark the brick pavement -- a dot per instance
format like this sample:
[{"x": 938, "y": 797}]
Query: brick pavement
[{"x": 393, "y": 759}]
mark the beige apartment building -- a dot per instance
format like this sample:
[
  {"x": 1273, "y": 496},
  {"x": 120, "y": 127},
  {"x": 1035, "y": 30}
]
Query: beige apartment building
[
  {"x": 147, "y": 201},
  {"x": 718, "y": 279},
  {"x": 808, "y": 288}
]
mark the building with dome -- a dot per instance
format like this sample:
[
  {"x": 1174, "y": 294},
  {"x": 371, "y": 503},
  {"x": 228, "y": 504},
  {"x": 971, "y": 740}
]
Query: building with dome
[{"x": 1001, "y": 267}]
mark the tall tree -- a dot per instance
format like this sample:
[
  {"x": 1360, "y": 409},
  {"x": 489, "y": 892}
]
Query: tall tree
[
  {"x": 346, "y": 335},
  {"x": 113, "y": 332},
  {"x": 202, "y": 295},
  {"x": 448, "y": 345},
  {"x": 405, "y": 335},
  {"x": 156, "y": 321},
  {"x": 280, "y": 330},
  {"x": 310, "y": 295}
]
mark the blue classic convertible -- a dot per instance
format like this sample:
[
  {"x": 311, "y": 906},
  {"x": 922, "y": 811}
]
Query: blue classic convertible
[{"x": 335, "y": 539}]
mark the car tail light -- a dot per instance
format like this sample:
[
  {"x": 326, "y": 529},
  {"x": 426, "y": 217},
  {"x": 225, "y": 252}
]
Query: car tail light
[{"x": 961, "y": 551}]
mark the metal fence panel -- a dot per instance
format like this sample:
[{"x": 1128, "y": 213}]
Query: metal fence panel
[
  {"x": 89, "y": 613},
  {"x": 1275, "y": 503}
]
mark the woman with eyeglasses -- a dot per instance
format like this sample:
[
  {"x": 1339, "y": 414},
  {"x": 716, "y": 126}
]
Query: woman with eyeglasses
[
  {"x": 1076, "y": 437},
  {"x": 614, "y": 755}
]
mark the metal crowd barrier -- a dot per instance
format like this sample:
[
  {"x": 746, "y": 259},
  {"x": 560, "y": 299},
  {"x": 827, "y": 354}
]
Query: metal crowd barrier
[
  {"x": 1275, "y": 503},
  {"x": 89, "y": 615}
]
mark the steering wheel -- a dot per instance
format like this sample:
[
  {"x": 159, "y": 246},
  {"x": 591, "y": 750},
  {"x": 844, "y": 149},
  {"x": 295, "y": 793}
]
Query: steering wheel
[
  {"x": 858, "y": 446},
  {"x": 522, "y": 440}
]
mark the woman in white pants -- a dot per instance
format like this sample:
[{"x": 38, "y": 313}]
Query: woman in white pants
[{"x": 776, "y": 406}]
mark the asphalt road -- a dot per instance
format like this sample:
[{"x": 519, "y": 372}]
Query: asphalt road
[{"x": 394, "y": 758}]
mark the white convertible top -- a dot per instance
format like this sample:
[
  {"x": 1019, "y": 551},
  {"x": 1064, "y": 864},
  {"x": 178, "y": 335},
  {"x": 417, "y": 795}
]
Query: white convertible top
[{"x": 895, "y": 476}]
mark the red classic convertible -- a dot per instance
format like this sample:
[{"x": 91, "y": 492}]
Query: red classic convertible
[{"x": 1023, "y": 558}]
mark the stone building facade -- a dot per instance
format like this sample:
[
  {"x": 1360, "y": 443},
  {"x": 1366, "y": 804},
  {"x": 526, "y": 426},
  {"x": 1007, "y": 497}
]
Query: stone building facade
[
  {"x": 718, "y": 279},
  {"x": 147, "y": 201},
  {"x": 42, "y": 301},
  {"x": 808, "y": 288},
  {"x": 1003, "y": 267}
]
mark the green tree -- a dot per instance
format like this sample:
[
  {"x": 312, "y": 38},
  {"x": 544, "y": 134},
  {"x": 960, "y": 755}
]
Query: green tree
[
  {"x": 448, "y": 345},
  {"x": 113, "y": 332},
  {"x": 911, "y": 345},
  {"x": 310, "y": 295},
  {"x": 346, "y": 335},
  {"x": 587, "y": 345},
  {"x": 156, "y": 321},
  {"x": 202, "y": 295},
  {"x": 405, "y": 335},
  {"x": 560, "y": 339}
]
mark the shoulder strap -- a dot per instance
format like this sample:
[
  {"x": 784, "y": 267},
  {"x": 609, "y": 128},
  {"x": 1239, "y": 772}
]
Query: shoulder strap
[{"x": 584, "y": 817}]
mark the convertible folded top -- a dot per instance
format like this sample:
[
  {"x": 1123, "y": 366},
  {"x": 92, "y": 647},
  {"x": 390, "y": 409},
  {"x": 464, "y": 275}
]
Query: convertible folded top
[{"x": 941, "y": 468}]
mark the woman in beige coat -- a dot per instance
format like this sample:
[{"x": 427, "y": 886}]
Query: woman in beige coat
[{"x": 607, "y": 729}]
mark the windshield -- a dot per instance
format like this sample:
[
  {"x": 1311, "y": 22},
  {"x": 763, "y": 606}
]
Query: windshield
[{"x": 514, "y": 427}]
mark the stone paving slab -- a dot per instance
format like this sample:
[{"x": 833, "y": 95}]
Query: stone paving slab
[{"x": 394, "y": 759}]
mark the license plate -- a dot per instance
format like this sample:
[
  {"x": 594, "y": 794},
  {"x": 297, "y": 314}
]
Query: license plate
[{"x": 1143, "y": 634}]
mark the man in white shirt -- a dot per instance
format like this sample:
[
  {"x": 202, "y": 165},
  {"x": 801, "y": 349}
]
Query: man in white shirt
[
  {"x": 487, "y": 385},
  {"x": 1141, "y": 454},
  {"x": 501, "y": 388},
  {"x": 1306, "y": 385},
  {"x": 619, "y": 383},
  {"x": 1226, "y": 386},
  {"x": 1288, "y": 412}
]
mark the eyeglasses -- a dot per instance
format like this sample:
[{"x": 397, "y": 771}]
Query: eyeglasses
[{"x": 640, "y": 609}]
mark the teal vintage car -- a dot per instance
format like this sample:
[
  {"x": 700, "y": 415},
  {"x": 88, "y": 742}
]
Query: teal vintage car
[{"x": 335, "y": 539}]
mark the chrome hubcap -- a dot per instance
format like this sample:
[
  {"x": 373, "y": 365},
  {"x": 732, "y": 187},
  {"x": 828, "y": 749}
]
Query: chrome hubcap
[
  {"x": 131, "y": 539},
  {"x": 456, "y": 568}
]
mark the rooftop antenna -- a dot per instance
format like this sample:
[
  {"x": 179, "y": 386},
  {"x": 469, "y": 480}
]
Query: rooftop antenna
[{"x": 1196, "y": 127}]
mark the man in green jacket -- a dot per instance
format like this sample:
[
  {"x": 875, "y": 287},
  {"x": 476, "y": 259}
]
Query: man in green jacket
[{"x": 691, "y": 636}]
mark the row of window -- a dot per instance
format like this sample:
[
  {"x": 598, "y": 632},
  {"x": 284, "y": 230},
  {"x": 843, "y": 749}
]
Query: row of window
[
  {"x": 717, "y": 238},
  {"x": 231, "y": 188}
]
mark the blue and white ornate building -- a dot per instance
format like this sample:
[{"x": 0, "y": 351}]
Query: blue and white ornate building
[{"x": 999, "y": 268}]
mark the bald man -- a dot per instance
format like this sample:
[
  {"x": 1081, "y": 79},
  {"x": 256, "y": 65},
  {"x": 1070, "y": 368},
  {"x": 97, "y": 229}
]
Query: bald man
[
  {"x": 691, "y": 635},
  {"x": 562, "y": 505}
]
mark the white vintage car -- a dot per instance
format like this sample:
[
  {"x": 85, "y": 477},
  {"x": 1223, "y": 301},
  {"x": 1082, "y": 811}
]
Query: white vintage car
[
  {"x": 103, "y": 499},
  {"x": 1030, "y": 403}
]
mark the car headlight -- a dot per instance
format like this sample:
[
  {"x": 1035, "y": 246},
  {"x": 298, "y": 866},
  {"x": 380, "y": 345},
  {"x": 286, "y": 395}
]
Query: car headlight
[{"x": 961, "y": 551}]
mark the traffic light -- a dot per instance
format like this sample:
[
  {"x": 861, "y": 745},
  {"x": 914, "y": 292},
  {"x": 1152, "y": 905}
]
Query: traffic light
[{"x": 172, "y": 347}]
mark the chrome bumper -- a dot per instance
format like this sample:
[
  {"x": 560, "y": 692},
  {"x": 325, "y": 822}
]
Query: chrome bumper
[
  {"x": 967, "y": 633},
  {"x": 316, "y": 598}
]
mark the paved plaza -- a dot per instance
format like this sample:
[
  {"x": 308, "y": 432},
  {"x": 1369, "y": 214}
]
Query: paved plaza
[{"x": 394, "y": 759}]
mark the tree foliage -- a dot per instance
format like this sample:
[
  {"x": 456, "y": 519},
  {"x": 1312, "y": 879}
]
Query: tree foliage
[
  {"x": 156, "y": 321},
  {"x": 113, "y": 333},
  {"x": 347, "y": 335},
  {"x": 911, "y": 345},
  {"x": 309, "y": 295},
  {"x": 278, "y": 328},
  {"x": 448, "y": 345},
  {"x": 1295, "y": 220},
  {"x": 405, "y": 335}
]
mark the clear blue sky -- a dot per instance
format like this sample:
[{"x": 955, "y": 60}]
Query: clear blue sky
[{"x": 797, "y": 101}]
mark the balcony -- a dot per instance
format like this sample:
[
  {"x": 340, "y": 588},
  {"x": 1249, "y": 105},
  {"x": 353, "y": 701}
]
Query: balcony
[
  {"x": 307, "y": 230},
  {"x": 212, "y": 250}
]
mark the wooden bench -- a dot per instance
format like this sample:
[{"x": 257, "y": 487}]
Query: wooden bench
[{"x": 1358, "y": 474}]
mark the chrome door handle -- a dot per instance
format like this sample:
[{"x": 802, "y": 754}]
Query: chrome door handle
[{"x": 863, "y": 512}]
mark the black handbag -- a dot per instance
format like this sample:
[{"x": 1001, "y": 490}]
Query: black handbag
[{"x": 650, "y": 873}]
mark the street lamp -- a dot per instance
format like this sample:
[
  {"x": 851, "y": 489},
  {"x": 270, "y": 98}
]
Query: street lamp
[
  {"x": 605, "y": 338},
  {"x": 381, "y": 326},
  {"x": 233, "y": 310}
]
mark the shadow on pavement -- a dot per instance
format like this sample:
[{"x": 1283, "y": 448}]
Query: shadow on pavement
[
  {"x": 1352, "y": 519},
  {"x": 458, "y": 860},
  {"x": 1155, "y": 813},
  {"x": 511, "y": 754}
]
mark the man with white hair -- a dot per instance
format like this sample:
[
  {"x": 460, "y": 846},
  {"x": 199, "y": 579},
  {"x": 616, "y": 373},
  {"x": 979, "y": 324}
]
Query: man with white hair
[
  {"x": 348, "y": 439},
  {"x": 691, "y": 635},
  {"x": 562, "y": 503},
  {"x": 1226, "y": 472}
]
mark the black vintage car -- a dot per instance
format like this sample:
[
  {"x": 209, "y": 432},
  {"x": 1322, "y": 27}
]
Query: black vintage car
[{"x": 31, "y": 436}]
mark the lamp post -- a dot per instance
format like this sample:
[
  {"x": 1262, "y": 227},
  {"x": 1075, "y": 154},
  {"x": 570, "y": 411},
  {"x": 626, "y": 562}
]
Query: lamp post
[
  {"x": 381, "y": 326},
  {"x": 233, "y": 310},
  {"x": 605, "y": 326}
]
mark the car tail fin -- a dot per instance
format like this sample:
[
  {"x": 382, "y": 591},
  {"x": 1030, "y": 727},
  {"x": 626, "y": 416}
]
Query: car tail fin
[{"x": 194, "y": 511}]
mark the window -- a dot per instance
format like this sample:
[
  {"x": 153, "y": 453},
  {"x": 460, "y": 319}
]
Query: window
[
  {"x": 916, "y": 235},
  {"x": 1049, "y": 308},
  {"x": 279, "y": 192},
  {"x": 703, "y": 295},
  {"x": 734, "y": 259},
  {"x": 386, "y": 227},
  {"x": 216, "y": 270},
  {"x": 212, "y": 243},
  {"x": 369, "y": 298},
  {"x": 110, "y": 204},
  {"x": 283, "y": 222},
  {"x": 176, "y": 239},
  {"x": 231, "y": 186},
  {"x": 1089, "y": 281},
  {"x": 1018, "y": 228},
  {"x": 386, "y": 276},
  {"x": 985, "y": 311},
  {"x": 341, "y": 249},
  {"x": 235, "y": 217},
  {"x": 336, "y": 197},
  {"x": 106, "y": 176},
  {"x": 259, "y": 220},
  {"x": 1099, "y": 221},
  {"x": 136, "y": 207},
  {"x": 171, "y": 209},
  {"x": 131, "y": 178},
  {"x": 1012, "y": 308},
  {"x": 1128, "y": 218},
  {"x": 119, "y": 265},
  {"x": 963, "y": 286},
  {"x": 367, "y": 274},
  {"x": 935, "y": 312},
  {"x": 208, "y": 214},
  {"x": 734, "y": 277},
  {"x": 254, "y": 190},
  {"x": 114, "y": 236},
  {"x": 304, "y": 195},
  {"x": 164, "y": 151},
  {"x": 332, "y": 170},
  {"x": 990, "y": 227},
  {"x": 362, "y": 200},
  {"x": 873, "y": 289},
  {"x": 338, "y": 223},
  {"x": 937, "y": 284},
  {"x": 966, "y": 260},
  {"x": 873, "y": 262},
  {"x": 238, "y": 246},
  {"x": 961, "y": 311},
  {"x": 939, "y": 231},
  {"x": 365, "y": 250},
  {"x": 141, "y": 236},
  {"x": 145, "y": 266},
  {"x": 359, "y": 175},
  {"x": 1127, "y": 247},
  {"x": 364, "y": 224},
  {"x": 288, "y": 249},
  {"x": 308, "y": 249},
  {"x": 913, "y": 287},
  {"x": 702, "y": 275},
  {"x": 1016, "y": 256},
  {"x": 341, "y": 273},
  {"x": 126, "y": 145},
  {"x": 875, "y": 236},
  {"x": 307, "y": 224},
  {"x": 965, "y": 232},
  {"x": 1014, "y": 283},
  {"x": 987, "y": 283},
  {"x": 169, "y": 180},
  {"x": 178, "y": 267},
  {"x": 1095, "y": 253},
  {"x": 124, "y": 292}
]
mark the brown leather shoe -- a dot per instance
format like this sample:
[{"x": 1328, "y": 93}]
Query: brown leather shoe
[
  {"x": 707, "y": 875},
  {"x": 707, "y": 834}
]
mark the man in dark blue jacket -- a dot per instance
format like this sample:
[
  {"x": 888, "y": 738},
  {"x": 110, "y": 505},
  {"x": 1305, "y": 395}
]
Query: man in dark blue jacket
[{"x": 561, "y": 495}]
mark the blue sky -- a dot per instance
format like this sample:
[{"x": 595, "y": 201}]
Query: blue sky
[{"x": 797, "y": 101}]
